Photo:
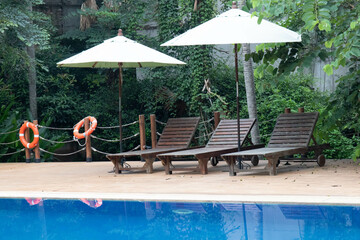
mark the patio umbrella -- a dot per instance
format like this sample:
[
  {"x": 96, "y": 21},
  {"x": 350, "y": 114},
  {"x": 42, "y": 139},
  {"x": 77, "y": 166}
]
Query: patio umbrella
[
  {"x": 119, "y": 52},
  {"x": 234, "y": 27}
]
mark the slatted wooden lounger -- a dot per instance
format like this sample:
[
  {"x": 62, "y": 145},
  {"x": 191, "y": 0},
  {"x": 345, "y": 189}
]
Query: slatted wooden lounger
[
  {"x": 224, "y": 140},
  {"x": 291, "y": 135},
  {"x": 177, "y": 135}
]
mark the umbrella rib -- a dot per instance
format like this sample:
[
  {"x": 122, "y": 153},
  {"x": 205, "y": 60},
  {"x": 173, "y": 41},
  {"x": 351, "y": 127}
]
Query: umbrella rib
[{"x": 139, "y": 64}]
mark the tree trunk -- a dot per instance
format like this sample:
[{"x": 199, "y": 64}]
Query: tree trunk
[
  {"x": 250, "y": 93},
  {"x": 32, "y": 78},
  {"x": 250, "y": 88}
]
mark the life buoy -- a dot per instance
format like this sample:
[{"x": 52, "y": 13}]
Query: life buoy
[
  {"x": 22, "y": 135},
  {"x": 88, "y": 132}
]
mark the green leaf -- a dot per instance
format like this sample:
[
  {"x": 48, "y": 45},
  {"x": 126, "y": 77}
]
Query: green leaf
[
  {"x": 310, "y": 25},
  {"x": 322, "y": 2},
  {"x": 328, "y": 69},
  {"x": 355, "y": 51},
  {"x": 324, "y": 13},
  {"x": 308, "y": 16},
  {"x": 353, "y": 25},
  {"x": 329, "y": 43},
  {"x": 325, "y": 25}
]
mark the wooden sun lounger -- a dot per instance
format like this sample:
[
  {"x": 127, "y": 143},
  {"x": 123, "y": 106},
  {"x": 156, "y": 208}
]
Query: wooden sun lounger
[
  {"x": 177, "y": 135},
  {"x": 224, "y": 140},
  {"x": 291, "y": 135}
]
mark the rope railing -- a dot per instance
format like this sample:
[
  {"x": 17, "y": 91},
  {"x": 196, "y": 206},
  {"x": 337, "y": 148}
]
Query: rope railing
[
  {"x": 96, "y": 150},
  {"x": 66, "y": 129},
  {"x": 115, "y": 140},
  {"x": 162, "y": 123},
  {"x": 16, "y": 130},
  {"x": 55, "y": 128},
  {"x": 7, "y": 154},
  {"x": 124, "y": 125},
  {"x": 62, "y": 154},
  {"x": 8, "y": 143},
  {"x": 87, "y": 143},
  {"x": 53, "y": 141}
]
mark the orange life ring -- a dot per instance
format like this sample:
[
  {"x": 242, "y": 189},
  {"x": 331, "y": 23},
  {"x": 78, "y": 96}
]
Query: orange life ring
[
  {"x": 22, "y": 136},
  {"x": 88, "y": 132}
]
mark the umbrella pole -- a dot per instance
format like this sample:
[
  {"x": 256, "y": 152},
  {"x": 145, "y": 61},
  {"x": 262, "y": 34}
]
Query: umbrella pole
[
  {"x": 237, "y": 103},
  {"x": 120, "y": 109}
]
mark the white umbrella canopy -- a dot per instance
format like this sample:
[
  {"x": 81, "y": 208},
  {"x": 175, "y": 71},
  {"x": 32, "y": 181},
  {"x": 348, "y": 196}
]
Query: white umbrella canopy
[
  {"x": 234, "y": 27},
  {"x": 119, "y": 52}
]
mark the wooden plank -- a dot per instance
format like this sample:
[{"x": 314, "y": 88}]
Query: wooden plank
[
  {"x": 292, "y": 129},
  {"x": 175, "y": 129},
  {"x": 288, "y": 136},
  {"x": 299, "y": 115},
  {"x": 289, "y": 141},
  {"x": 292, "y": 125},
  {"x": 293, "y": 133},
  {"x": 286, "y": 145}
]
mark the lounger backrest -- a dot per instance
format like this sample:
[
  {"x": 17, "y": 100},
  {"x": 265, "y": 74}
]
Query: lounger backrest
[
  {"x": 226, "y": 134},
  {"x": 178, "y": 132},
  {"x": 293, "y": 130}
]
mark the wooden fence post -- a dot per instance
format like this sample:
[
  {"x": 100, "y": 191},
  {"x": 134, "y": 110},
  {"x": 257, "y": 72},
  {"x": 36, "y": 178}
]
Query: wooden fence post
[
  {"x": 153, "y": 130},
  {"x": 37, "y": 148},
  {"x": 216, "y": 119},
  {"x": 287, "y": 110},
  {"x": 301, "y": 109},
  {"x": 27, "y": 151},
  {"x": 88, "y": 141},
  {"x": 142, "y": 132}
]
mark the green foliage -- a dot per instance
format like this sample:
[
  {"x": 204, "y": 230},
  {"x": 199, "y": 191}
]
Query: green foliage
[
  {"x": 330, "y": 31},
  {"x": 9, "y": 124},
  {"x": 341, "y": 146},
  {"x": 342, "y": 112},
  {"x": 17, "y": 19},
  {"x": 275, "y": 94}
]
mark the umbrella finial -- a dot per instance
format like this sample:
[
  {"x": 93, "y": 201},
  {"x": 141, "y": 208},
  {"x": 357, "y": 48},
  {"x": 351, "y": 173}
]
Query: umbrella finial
[
  {"x": 120, "y": 32},
  {"x": 234, "y": 5}
]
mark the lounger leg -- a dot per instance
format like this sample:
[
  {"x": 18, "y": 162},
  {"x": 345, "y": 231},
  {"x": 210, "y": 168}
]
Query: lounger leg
[
  {"x": 149, "y": 165},
  {"x": 166, "y": 161},
  {"x": 116, "y": 165},
  {"x": 231, "y": 163},
  {"x": 272, "y": 166},
  {"x": 203, "y": 165}
]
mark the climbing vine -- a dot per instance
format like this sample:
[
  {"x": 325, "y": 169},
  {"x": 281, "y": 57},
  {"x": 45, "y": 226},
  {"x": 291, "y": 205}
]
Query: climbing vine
[{"x": 176, "y": 17}]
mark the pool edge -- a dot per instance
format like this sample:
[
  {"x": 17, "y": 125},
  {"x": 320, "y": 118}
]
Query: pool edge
[{"x": 283, "y": 199}]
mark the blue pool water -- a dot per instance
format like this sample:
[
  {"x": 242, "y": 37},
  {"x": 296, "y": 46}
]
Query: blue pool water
[{"x": 75, "y": 219}]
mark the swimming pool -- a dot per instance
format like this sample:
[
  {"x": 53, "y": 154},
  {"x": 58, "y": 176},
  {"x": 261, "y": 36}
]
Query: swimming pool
[{"x": 88, "y": 219}]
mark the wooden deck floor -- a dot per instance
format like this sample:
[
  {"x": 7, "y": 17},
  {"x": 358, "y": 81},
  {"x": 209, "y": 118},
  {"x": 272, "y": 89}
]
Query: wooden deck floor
[{"x": 336, "y": 183}]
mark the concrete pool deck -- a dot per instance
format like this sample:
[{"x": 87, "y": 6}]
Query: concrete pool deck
[{"x": 338, "y": 182}]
